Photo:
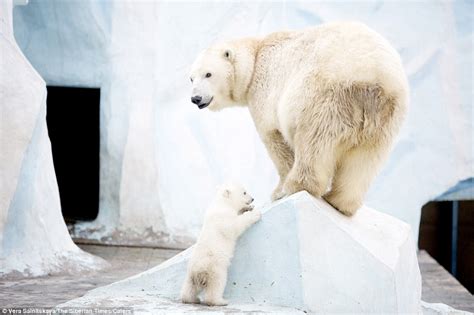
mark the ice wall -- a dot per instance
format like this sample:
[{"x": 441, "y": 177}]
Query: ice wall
[
  {"x": 34, "y": 239},
  {"x": 161, "y": 158},
  {"x": 101, "y": 44}
]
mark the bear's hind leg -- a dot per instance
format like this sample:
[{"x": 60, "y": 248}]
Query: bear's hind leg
[
  {"x": 356, "y": 170},
  {"x": 318, "y": 132},
  {"x": 314, "y": 165}
]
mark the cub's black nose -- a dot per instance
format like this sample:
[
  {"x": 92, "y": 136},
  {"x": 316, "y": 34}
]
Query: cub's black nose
[
  {"x": 252, "y": 200},
  {"x": 196, "y": 99}
]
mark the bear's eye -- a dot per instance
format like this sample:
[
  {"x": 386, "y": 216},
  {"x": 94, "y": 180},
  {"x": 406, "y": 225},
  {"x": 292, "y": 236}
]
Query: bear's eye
[
  {"x": 191, "y": 80},
  {"x": 245, "y": 192},
  {"x": 208, "y": 75}
]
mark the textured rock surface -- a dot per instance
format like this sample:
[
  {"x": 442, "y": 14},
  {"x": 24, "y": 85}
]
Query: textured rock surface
[
  {"x": 302, "y": 255},
  {"x": 33, "y": 236},
  {"x": 156, "y": 147}
]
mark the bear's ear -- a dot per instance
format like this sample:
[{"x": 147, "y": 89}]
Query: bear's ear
[
  {"x": 226, "y": 193},
  {"x": 229, "y": 55}
]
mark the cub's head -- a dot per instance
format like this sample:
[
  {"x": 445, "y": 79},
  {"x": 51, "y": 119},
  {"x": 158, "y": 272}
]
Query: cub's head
[
  {"x": 236, "y": 195},
  {"x": 212, "y": 77}
]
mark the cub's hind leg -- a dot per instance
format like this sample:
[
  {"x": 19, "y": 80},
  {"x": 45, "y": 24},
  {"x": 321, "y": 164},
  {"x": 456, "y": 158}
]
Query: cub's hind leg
[
  {"x": 215, "y": 288},
  {"x": 190, "y": 291}
]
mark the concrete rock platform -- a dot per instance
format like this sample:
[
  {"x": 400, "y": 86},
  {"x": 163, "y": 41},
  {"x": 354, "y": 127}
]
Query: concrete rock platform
[
  {"x": 302, "y": 257},
  {"x": 438, "y": 286}
]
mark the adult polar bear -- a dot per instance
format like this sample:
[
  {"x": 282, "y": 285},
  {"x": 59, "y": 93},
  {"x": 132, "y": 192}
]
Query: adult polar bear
[{"x": 327, "y": 102}]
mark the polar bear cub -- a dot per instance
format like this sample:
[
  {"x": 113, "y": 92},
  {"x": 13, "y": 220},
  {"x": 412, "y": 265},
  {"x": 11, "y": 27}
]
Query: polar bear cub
[{"x": 228, "y": 216}]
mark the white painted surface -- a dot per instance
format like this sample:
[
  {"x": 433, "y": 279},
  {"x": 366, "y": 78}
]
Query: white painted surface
[
  {"x": 161, "y": 158},
  {"x": 34, "y": 239},
  {"x": 301, "y": 255}
]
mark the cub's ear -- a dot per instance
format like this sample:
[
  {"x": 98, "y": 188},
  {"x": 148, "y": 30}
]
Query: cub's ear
[
  {"x": 226, "y": 193},
  {"x": 229, "y": 55}
]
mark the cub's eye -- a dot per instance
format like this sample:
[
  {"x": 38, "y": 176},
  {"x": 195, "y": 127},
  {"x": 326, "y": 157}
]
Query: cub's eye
[
  {"x": 208, "y": 75},
  {"x": 191, "y": 80},
  {"x": 245, "y": 192}
]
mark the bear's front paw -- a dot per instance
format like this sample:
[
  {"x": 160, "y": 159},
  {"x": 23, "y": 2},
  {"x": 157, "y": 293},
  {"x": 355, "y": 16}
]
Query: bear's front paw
[
  {"x": 278, "y": 194},
  {"x": 292, "y": 186}
]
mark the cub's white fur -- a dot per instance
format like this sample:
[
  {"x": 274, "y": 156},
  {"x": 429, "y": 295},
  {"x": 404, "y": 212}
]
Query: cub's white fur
[
  {"x": 228, "y": 216},
  {"x": 327, "y": 102}
]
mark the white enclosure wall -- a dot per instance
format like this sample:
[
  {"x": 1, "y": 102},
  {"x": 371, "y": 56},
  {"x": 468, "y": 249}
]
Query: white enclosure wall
[
  {"x": 161, "y": 158},
  {"x": 34, "y": 239}
]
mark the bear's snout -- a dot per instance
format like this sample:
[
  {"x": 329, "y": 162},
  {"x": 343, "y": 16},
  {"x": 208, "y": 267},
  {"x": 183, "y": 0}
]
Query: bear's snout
[
  {"x": 196, "y": 99},
  {"x": 200, "y": 102}
]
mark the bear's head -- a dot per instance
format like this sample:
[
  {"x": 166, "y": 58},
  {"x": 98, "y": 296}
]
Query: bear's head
[
  {"x": 221, "y": 74},
  {"x": 236, "y": 195}
]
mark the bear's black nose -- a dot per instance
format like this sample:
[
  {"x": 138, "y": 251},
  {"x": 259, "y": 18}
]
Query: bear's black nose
[{"x": 196, "y": 99}]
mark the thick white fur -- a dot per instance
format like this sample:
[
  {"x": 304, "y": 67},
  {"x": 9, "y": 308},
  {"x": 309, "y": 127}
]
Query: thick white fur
[
  {"x": 327, "y": 102},
  {"x": 228, "y": 216}
]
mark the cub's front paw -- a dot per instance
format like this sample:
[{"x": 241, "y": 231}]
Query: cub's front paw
[
  {"x": 246, "y": 209},
  {"x": 220, "y": 302},
  {"x": 190, "y": 300}
]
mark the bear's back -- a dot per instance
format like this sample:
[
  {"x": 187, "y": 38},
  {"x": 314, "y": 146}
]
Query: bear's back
[{"x": 339, "y": 52}]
